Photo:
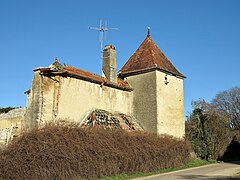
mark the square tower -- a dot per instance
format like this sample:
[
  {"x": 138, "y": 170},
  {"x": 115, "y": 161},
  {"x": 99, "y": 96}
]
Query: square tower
[{"x": 158, "y": 97}]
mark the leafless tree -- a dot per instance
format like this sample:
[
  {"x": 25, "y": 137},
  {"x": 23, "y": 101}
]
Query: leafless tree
[{"x": 228, "y": 102}]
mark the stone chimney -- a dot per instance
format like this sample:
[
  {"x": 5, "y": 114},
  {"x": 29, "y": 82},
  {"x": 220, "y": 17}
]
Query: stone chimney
[{"x": 109, "y": 63}]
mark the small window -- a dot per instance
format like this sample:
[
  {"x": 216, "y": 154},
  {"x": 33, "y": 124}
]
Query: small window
[{"x": 166, "y": 80}]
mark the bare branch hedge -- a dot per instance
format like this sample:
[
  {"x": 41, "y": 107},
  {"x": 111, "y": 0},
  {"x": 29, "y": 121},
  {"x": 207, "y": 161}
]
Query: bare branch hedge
[{"x": 65, "y": 152}]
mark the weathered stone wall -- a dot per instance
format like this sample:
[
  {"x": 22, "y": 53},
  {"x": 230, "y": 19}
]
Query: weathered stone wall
[
  {"x": 10, "y": 124},
  {"x": 144, "y": 99},
  {"x": 66, "y": 98},
  {"x": 158, "y": 102},
  {"x": 77, "y": 97},
  {"x": 34, "y": 102},
  {"x": 18, "y": 112},
  {"x": 170, "y": 105}
]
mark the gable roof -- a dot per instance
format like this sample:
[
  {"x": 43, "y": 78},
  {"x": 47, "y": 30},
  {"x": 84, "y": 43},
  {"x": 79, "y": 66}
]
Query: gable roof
[
  {"x": 68, "y": 71},
  {"x": 146, "y": 58}
]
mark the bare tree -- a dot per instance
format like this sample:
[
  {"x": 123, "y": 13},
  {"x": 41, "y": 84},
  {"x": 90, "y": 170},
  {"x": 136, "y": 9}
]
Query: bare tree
[{"x": 229, "y": 103}]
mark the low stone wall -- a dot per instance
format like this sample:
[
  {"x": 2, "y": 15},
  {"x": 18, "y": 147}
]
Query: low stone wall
[
  {"x": 13, "y": 113},
  {"x": 10, "y": 124}
]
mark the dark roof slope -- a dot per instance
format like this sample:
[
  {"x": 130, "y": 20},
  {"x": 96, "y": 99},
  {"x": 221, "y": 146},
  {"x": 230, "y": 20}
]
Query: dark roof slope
[
  {"x": 148, "y": 57},
  {"x": 57, "y": 69}
]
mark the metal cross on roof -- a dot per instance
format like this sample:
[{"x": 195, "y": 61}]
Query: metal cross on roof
[{"x": 103, "y": 30}]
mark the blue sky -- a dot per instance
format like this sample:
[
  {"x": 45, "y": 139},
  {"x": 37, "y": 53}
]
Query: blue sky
[{"x": 200, "y": 37}]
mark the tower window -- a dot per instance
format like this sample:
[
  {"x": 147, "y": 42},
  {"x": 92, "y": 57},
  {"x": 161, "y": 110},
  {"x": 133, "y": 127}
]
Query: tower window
[{"x": 166, "y": 80}]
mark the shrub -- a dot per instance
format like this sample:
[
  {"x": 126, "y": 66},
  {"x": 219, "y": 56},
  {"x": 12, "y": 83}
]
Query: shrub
[
  {"x": 208, "y": 131},
  {"x": 70, "y": 152},
  {"x": 6, "y": 109}
]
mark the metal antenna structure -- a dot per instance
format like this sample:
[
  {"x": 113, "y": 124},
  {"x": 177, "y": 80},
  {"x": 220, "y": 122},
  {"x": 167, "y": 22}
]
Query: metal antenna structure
[{"x": 102, "y": 32}]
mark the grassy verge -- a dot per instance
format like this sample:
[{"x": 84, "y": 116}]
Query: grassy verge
[{"x": 193, "y": 163}]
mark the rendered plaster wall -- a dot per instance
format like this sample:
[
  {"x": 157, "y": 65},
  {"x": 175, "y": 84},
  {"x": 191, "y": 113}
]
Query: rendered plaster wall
[
  {"x": 14, "y": 121},
  {"x": 40, "y": 100},
  {"x": 78, "y": 97},
  {"x": 159, "y": 106},
  {"x": 13, "y": 117},
  {"x": 170, "y": 105},
  {"x": 34, "y": 102},
  {"x": 65, "y": 98},
  {"x": 144, "y": 100}
]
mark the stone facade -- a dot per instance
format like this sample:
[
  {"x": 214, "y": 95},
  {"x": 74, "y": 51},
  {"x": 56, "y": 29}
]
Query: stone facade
[
  {"x": 158, "y": 102},
  {"x": 67, "y": 98},
  {"x": 170, "y": 105},
  {"x": 144, "y": 99},
  {"x": 148, "y": 88},
  {"x": 10, "y": 124}
]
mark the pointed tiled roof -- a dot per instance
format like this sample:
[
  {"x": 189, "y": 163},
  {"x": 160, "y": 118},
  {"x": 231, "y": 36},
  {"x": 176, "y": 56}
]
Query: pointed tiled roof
[{"x": 146, "y": 58}]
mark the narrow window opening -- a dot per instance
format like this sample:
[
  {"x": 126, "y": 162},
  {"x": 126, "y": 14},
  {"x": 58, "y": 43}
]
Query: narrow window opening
[{"x": 166, "y": 80}]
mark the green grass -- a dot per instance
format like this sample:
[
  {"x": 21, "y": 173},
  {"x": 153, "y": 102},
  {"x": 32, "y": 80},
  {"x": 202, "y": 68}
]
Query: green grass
[{"x": 193, "y": 163}]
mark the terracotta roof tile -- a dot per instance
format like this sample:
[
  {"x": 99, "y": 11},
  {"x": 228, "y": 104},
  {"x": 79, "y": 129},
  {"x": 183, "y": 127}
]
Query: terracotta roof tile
[
  {"x": 85, "y": 75},
  {"x": 148, "y": 57},
  {"x": 75, "y": 71}
]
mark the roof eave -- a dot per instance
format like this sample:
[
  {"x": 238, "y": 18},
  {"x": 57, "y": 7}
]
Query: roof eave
[
  {"x": 68, "y": 74},
  {"x": 145, "y": 70},
  {"x": 109, "y": 84}
]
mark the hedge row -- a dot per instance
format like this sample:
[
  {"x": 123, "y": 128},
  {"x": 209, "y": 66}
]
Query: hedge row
[{"x": 69, "y": 152}]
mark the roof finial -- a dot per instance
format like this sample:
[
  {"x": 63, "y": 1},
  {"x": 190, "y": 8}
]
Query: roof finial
[{"x": 148, "y": 31}]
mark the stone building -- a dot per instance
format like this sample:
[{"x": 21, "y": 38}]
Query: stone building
[
  {"x": 11, "y": 124},
  {"x": 148, "y": 87}
]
